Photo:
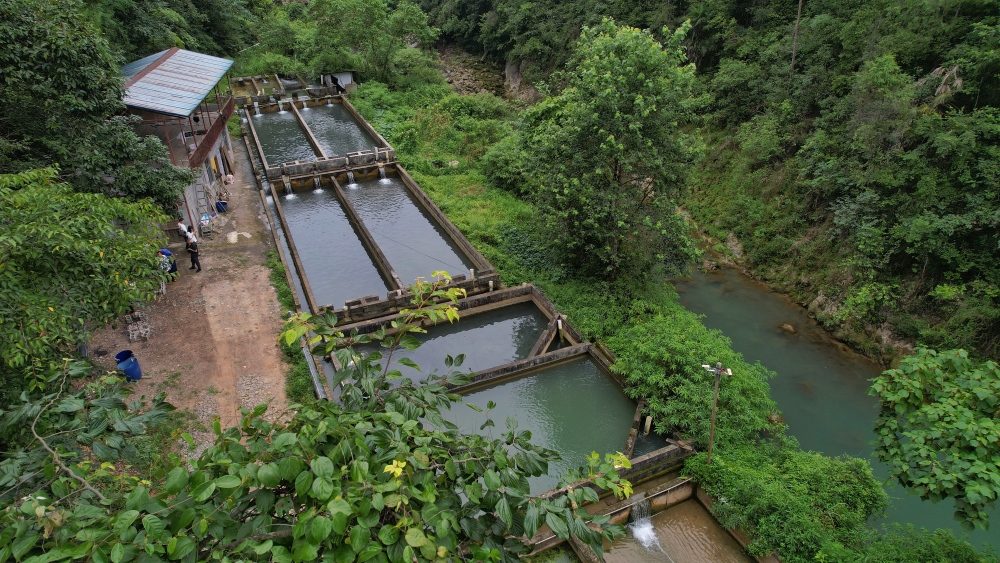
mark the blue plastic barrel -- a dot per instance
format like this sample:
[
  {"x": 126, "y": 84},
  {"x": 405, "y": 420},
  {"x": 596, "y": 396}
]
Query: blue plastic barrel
[
  {"x": 129, "y": 365},
  {"x": 222, "y": 206}
]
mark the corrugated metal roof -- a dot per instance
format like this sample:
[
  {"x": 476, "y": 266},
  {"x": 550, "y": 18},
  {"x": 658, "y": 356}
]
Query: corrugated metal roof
[{"x": 177, "y": 82}]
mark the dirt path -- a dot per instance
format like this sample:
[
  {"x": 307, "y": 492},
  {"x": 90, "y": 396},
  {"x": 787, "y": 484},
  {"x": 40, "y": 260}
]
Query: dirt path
[{"x": 214, "y": 347}]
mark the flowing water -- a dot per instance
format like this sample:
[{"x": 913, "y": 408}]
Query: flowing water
[
  {"x": 685, "y": 533},
  {"x": 336, "y": 130},
  {"x": 414, "y": 245},
  {"x": 573, "y": 408},
  {"x": 821, "y": 386},
  {"x": 487, "y": 339},
  {"x": 281, "y": 138},
  {"x": 337, "y": 265}
]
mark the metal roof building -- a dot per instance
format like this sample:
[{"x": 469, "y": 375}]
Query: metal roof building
[
  {"x": 172, "y": 82},
  {"x": 181, "y": 97}
]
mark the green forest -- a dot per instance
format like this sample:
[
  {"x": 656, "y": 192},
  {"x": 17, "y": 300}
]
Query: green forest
[{"x": 846, "y": 153}]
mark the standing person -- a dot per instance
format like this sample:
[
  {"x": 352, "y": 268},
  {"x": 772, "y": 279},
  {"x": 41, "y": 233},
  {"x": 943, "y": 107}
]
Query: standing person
[
  {"x": 192, "y": 248},
  {"x": 190, "y": 234}
]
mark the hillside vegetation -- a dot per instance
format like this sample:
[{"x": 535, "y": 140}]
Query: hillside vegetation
[
  {"x": 862, "y": 179},
  {"x": 851, "y": 149}
]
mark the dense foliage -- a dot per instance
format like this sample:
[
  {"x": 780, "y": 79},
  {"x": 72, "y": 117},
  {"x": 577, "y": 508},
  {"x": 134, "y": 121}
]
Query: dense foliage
[
  {"x": 660, "y": 354},
  {"x": 382, "y": 477},
  {"x": 791, "y": 501},
  {"x": 863, "y": 174},
  {"x": 608, "y": 155},
  {"x": 71, "y": 262},
  {"x": 938, "y": 429},
  {"x": 377, "y": 39},
  {"x": 62, "y": 91}
]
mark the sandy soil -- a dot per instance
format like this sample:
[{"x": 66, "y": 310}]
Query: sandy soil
[{"x": 213, "y": 347}]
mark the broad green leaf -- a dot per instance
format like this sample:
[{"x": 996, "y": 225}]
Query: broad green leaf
[
  {"x": 177, "y": 479},
  {"x": 228, "y": 482},
  {"x": 415, "y": 537}
]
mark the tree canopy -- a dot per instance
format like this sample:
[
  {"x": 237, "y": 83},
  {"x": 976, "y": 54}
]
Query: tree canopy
[
  {"x": 938, "y": 429},
  {"x": 63, "y": 88},
  {"x": 610, "y": 155},
  {"x": 71, "y": 261}
]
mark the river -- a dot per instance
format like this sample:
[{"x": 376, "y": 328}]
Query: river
[{"x": 821, "y": 386}]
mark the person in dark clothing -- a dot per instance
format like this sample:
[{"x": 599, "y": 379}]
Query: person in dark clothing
[
  {"x": 167, "y": 262},
  {"x": 192, "y": 248}
]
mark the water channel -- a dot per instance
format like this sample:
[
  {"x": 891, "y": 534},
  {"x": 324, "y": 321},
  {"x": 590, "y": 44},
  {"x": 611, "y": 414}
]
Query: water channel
[
  {"x": 487, "y": 339},
  {"x": 336, "y": 130},
  {"x": 686, "y": 533},
  {"x": 414, "y": 245},
  {"x": 282, "y": 138},
  {"x": 821, "y": 386},
  {"x": 573, "y": 408},
  {"x": 336, "y": 264}
]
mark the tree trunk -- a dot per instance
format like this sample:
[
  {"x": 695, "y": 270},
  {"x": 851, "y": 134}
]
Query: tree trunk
[{"x": 795, "y": 44}]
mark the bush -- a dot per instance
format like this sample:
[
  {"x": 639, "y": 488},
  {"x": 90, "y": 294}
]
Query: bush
[
  {"x": 660, "y": 352},
  {"x": 268, "y": 63},
  {"x": 505, "y": 166},
  {"x": 790, "y": 501}
]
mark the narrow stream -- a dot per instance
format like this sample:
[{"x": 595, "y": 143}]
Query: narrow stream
[{"x": 821, "y": 386}]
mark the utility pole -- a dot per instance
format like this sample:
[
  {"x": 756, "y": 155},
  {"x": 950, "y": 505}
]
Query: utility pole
[{"x": 718, "y": 371}]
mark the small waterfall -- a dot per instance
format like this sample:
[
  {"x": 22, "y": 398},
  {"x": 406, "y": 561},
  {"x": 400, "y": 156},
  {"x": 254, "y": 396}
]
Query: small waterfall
[
  {"x": 288, "y": 188},
  {"x": 642, "y": 527},
  {"x": 316, "y": 182},
  {"x": 329, "y": 102},
  {"x": 381, "y": 172},
  {"x": 304, "y": 105},
  {"x": 350, "y": 177},
  {"x": 281, "y": 108},
  {"x": 256, "y": 108}
]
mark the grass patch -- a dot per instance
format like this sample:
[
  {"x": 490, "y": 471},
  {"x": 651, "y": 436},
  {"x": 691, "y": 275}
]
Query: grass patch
[{"x": 298, "y": 380}]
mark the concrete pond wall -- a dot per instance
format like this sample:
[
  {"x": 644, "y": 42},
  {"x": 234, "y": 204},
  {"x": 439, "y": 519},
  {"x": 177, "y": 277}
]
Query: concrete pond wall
[{"x": 546, "y": 345}]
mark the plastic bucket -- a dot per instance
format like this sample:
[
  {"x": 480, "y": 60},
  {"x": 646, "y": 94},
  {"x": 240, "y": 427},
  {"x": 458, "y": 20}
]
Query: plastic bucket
[
  {"x": 222, "y": 206},
  {"x": 129, "y": 365}
]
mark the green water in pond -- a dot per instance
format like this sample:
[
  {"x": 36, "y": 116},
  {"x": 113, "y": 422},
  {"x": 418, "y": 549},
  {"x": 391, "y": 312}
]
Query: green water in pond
[
  {"x": 821, "y": 386},
  {"x": 282, "y": 138},
  {"x": 336, "y": 130},
  {"x": 487, "y": 339},
  {"x": 412, "y": 242},
  {"x": 336, "y": 263},
  {"x": 573, "y": 408}
]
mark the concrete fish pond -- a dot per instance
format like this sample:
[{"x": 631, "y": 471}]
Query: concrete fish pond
[
  {"x": 355, "y": 230},
  {"x": 282, "y": 138},
  {"x": 336, "y": 130}
]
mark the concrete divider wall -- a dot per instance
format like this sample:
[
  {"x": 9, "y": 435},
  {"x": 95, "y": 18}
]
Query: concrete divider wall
[
  {"x": 477, "y": 259},
  {"x": 299, "y": 268},
  {"x": 367, "y": 240}
]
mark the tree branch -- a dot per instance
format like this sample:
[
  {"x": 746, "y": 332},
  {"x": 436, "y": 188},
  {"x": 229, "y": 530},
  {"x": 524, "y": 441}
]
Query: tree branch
[
  {"x": 259, "y": 537},
  {"x": 55, "y": 456}
]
